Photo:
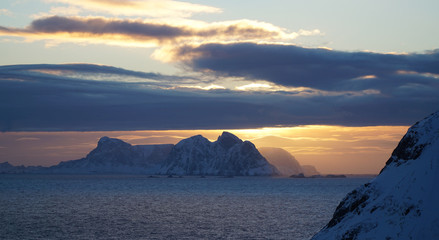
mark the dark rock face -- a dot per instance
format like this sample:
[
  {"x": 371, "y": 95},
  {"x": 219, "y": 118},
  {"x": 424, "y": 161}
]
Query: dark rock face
[
  {"x": 413, "y": 143},
  {"x": 111, "y": 150},
  {"x": 353, "y": 202},
  {"x": 407, "y": 149},
  {"x": 228, "y": 140},
  {"x": 106, "y": 143}
]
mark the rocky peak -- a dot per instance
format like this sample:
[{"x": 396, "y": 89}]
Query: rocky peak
[
  {"x": 106, "y": 142},
  {"x": 193, "y": 141},
  {"x": 228, "y": 140},
  {"x": 108, "y": 145},
  {"x": 229, "y": 155}
]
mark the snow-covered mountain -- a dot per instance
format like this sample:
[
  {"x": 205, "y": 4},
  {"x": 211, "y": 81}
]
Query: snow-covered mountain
[
  {"x": 196, "y": 155},
  {"x": 402, "y": 201},
  {"x": 282, "y": 160},
  {"x": 116, "y": 156},
  {"x": 229, "y": 155}
]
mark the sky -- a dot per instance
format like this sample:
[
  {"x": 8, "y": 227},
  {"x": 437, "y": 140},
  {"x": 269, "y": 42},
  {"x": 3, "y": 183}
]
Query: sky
[
  {"x": 332, "y": 149},
  {"x": 79, "y": 69}
]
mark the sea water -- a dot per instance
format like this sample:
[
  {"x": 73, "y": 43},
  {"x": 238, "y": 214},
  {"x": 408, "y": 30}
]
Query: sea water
[{"x": 141, "y": 207}]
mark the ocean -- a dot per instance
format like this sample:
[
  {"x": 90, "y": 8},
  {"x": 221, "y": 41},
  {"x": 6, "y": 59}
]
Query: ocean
[{"x": 141, "y": 207}]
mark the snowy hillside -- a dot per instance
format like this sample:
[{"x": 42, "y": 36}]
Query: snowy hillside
[
  {"x": 229, "y": 155},
  {"x": 116, "y": 156},
  {"x": 401, "y": 202}
]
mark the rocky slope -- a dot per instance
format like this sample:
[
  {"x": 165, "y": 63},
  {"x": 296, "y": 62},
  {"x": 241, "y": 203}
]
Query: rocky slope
[
  {"x": 229, "y": 155},
  {"x": 402, "y": 201}
]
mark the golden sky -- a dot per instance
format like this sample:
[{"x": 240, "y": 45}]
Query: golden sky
[
  {"x": 72, "y": 71},
  {"x": 332, "y": 149}
]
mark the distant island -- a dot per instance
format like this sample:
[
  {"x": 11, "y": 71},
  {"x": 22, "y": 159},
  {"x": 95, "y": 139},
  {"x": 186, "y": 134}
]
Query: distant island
[
  {"x": 227, "y": 156},
  {"x": 301, "y": 175}
]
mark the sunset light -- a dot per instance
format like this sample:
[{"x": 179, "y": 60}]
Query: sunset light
[
  {"x": 189, "y": 119},
  {"x": 332, "y": 149}
]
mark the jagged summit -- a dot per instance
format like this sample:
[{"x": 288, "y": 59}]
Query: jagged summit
[
  {"x": 402, "y": 201},
  {"x": 229, "y": 155},
  {"x": 197, "y": 139},
  {"x": 227, "y": 140}
]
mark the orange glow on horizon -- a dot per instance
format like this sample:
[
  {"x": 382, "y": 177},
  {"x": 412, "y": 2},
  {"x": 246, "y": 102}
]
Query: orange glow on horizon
[{"x": 331, "y": 149}]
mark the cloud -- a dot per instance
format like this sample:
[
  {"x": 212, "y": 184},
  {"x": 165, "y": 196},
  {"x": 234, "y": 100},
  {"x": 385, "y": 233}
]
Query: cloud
[
  {"x": 145, "y": 8},
  {"x": 316, "y": 68},
  {"x": 64, "y": 11},
  {"x": 88, "y": 72},
  {"x": 5, "y": 12},
  {"x": 45, "y": 98},
  {"x": 145, "y": 33}
]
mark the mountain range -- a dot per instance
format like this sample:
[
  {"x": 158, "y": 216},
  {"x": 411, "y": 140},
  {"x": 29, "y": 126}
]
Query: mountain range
[
  {"x": 116, "y": 156},
  {"x": 227, "y": 156}
]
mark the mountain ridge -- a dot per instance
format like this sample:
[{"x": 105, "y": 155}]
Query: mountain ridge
[
  {"x": 116, "y": 156},
  {"x": 228, "y": 155}
]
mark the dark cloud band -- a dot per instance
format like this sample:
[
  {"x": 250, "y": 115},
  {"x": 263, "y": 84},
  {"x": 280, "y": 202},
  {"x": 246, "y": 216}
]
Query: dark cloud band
[
  {"x": 151, "y": 32},
  {"x": 37, "y": 101},
  {"x": 104, "y": 26},
  {"x": 315, "y": 68}
]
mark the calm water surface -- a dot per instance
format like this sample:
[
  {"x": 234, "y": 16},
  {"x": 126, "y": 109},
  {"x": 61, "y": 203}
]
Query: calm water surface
[{"x": 138, "y": 207}]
